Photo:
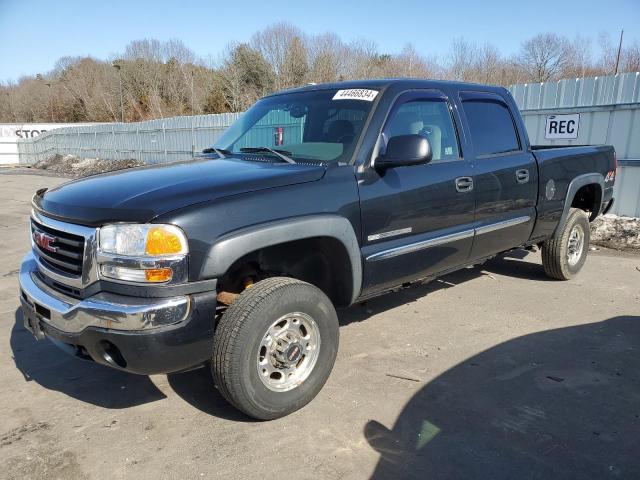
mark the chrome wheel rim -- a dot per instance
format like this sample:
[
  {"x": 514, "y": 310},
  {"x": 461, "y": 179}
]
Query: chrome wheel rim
[
  {"x": 288, "y": 352},
  {"x": 575, "y": 245}
]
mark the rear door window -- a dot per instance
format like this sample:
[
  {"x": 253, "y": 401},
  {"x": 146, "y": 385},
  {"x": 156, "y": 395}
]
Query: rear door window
[{"x": 492, "y": 129}]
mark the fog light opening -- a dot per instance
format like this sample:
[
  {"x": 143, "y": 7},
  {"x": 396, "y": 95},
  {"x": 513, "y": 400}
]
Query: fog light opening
[
  {"x": 42, "y": 311},
  {"x": 112, "y": 354}
]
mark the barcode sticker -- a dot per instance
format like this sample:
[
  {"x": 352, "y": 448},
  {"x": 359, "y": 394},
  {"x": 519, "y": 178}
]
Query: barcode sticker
[{"x": 356, "y": 94}]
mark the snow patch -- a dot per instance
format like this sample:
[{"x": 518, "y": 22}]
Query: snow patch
[{"x": 612, "y": 231}]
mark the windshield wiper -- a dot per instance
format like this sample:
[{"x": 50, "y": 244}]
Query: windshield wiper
[
  {"x": 221, "y": 152},
  {"x": 283, "y": 154}
]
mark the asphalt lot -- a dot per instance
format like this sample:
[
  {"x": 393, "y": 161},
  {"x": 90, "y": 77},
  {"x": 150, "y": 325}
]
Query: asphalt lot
[{"x": 490, "y": 372}]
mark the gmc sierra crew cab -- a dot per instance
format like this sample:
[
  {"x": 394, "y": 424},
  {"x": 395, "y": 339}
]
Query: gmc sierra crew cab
[{"x": 316, "y": 198}]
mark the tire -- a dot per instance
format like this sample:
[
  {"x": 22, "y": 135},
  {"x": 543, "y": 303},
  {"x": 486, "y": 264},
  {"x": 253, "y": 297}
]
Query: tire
[
  {"x": 559, "y": 254},
  {"x": 242, "y": 351}
]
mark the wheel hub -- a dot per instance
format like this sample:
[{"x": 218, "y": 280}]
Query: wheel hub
[
  {"x": 288, "y": 351},
  {"x": 575, "y": 245}
]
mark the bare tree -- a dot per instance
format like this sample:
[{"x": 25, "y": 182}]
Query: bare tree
[
  {"x": 362, "y": 60},
  {"x": 145, "y": 49},
  {"x": 545, "y": 57},
  {"x": 469, "y": 63},
  {"x": 274, "y": 43},
  {"x": 461, "y": 61},
  {"x": 631, "y": 58},
  {"x": 409, "y": 63},
  {"x": 326, "y": 55}
]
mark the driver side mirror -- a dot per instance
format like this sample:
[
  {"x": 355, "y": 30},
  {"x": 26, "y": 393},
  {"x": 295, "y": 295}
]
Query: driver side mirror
[{"x": 405, "y": 150}]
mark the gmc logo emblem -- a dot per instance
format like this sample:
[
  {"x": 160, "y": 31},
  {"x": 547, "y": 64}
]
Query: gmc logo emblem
[{"x": 44, "y": 241}]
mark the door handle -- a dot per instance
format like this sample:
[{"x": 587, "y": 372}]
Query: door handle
[
  {"x": 522, "y": 176},
  {"x": 464, "y": 184}
]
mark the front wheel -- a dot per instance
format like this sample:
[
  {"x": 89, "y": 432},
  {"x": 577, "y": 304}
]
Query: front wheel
[
  {"x": 564, "y": 255},
  {"x": 274, "y": 347}
]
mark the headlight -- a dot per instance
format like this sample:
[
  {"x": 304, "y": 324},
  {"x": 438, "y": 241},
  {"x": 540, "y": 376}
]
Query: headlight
[
  {"x": 142, "y": 240},
  {"x": 142, "y": 253}
]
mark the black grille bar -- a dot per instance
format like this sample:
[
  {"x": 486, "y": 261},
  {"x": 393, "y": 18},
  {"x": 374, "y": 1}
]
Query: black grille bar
[
  {"x": 71, "y": 243},
  {"x": 69, "y": 254},
  {"x": 77, "y": 269},
  {"x": 66, "y": 252}
]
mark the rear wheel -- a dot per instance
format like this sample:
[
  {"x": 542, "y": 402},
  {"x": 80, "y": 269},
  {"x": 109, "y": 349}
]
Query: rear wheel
[
  {"x": 274, "y": 347},
  {"x": 564, "y": 255}
]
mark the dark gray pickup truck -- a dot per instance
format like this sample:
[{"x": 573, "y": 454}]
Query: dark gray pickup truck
[{"x": 315, "y": 198}]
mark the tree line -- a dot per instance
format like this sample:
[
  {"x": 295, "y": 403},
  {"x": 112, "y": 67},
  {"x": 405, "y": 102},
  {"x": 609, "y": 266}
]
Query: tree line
[{"x": 154, "y": 79}]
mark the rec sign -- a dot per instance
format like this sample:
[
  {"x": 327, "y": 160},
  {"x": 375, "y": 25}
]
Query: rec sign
[{"x": 562, "y": 126}]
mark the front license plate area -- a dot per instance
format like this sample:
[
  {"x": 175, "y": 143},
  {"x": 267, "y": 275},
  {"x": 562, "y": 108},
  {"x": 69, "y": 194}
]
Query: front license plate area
[{"x": 32, "y": 323}]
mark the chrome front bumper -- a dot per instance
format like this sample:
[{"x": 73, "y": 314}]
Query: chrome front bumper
[{"x": 103, "y": 310}]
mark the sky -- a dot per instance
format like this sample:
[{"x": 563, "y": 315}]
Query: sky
[{"x": 34, "y": 34}]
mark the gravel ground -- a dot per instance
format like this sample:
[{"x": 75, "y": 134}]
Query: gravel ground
[{"x": 491, "y": 372}]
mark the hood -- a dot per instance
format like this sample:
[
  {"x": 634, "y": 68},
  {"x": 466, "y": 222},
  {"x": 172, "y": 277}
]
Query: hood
[{"x": 141, "y": 194}]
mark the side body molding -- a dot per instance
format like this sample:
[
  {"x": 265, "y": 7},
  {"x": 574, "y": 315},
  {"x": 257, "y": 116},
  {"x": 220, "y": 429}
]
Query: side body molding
[
  {"x": 229, "y": 248},
  {"x": 575, "y": 185}
]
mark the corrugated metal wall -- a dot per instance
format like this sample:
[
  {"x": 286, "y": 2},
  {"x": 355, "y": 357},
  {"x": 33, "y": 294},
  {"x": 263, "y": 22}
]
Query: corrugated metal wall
[
  {"x": 264, "y": 134},
  {"x": 609, "y": 109},
  {"x": 578, "y": 92},
  {"x": 627, "y": 192}
]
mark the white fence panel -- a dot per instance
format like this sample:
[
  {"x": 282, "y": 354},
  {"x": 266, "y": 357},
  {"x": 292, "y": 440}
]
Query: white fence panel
[{"x": 153, "y": 141}]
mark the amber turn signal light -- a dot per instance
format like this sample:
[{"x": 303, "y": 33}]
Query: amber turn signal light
[{"x": 158, "y": 274}]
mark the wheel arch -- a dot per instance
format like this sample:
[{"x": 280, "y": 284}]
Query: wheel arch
[
  {"x": 328, "y": 235},
  {"x": 588, "y": 182}
]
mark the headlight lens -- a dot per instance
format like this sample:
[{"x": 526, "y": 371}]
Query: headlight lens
[
  {"x": 142, "y": 253},
  {"x": 142, "y": 240}
]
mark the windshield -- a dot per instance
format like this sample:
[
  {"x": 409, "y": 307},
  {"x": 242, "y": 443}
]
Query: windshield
[{"x": 320, "y": 125}]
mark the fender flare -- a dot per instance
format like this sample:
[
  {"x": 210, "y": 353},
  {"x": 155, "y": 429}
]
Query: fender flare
[
  {"x": 575, "y": 185},
  {"x": 233, "y": 246}
]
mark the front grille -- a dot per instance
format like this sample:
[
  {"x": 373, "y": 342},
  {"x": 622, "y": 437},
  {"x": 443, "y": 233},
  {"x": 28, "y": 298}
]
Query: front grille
[
  {"x": 60, "y": 287},
  {"x": 59, "y": 250}
]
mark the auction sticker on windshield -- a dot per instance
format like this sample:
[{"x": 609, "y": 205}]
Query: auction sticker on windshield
[{"x": 356, "y": 94}]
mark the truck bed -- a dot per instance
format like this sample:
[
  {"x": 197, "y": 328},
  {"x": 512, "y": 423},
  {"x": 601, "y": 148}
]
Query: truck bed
[{"x": 558, "y": 167}]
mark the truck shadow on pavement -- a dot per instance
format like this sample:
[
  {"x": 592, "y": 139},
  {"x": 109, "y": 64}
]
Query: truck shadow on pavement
[
  {"x": 509, "y": 264},
  {"x": 362, "y": 311},
  {"x": 50, "y": 367},
  {"x": 44, "y": 363},
  {"x": 196, "y": 387},
  {"x": 561, "y": 403}
]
